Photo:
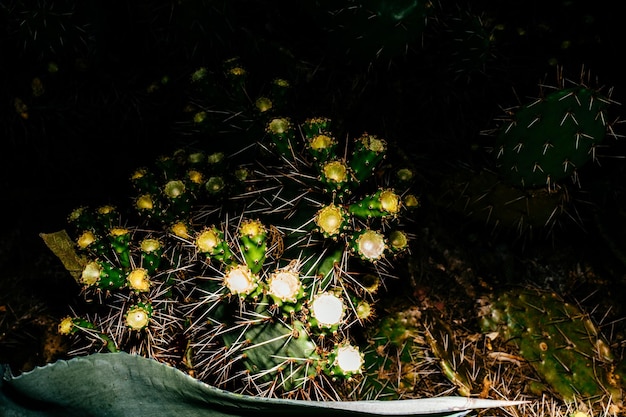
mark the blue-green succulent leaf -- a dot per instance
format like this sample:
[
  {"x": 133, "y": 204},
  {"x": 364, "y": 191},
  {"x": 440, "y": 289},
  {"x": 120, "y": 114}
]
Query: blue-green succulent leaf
[{"x": 120, "y": 384}]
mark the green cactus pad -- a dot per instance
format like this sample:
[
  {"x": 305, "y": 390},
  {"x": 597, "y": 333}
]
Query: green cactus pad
[
  {"x": 253, "y": 237},
  {"x": 283, "y": 134},
  {"x": 369, "y": 150},
  {"x": 383, "y": 203},
  {"x": 275, "y": 352},
  {"x": 558, "y": 339},
  {"x": 551, "y": 138}
]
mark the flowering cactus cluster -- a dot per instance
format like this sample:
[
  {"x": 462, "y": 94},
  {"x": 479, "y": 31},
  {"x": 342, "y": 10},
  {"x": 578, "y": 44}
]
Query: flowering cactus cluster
[{"x": 254, "y": 275}]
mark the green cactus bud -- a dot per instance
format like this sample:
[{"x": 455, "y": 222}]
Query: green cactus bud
[
  {"x": 410, "y": 201},
  {"x": 194, "y": 179},
  {"x": 151, "y": 254},
  {"x": 82, "y": 219},
  {"x": 263, "y": 104},
  {"x": 253, "y": 237},
  {"x": 345, "y": 361},
  {"x": 88, "y": 241},
  {"x": 322, "y": 147},
  {"x": 168, "y": 167},
  {"x": 138, "y": 280},
  {"x": 91, "y": 274},
  {"x": 178, "y": 197},
  {"x": 196, "y": 159},
  {"x": 216, "y": 161},
  {"x": 364, "y": 310},
  {"x": 181, "y": 229},
  {"x": 280, "y": 90},
  {"x": 147, "y": 205},
  {"x": 144, "y": 181},
  {"x": 335, "y": 175},
  {"x": 241, "y": 281},
  {"x": 120, "y": 241},
  {"x": 315, "y": 126},
  {"x": 283, "y": 135},
  {"x": 405, "y": 175},
  {"x": 284, "y": 286},
  {"x": 370, "y": 283},
  {"x": 369, "y": 150},
  {"x": 237, "y": 76},
  {"x": 215, "y": 185},
  {"x": 398, "y": 241},
  {"x": 102, "y": 275},
  {"x": 210, "y": 241},
  {"x": 199, "y": 75},
  {"x": 327, "y": 312},
  {"x": 383, "y": 203},
  {"x": 72, "y": 325},
  {"x": 107, "y": 216}
]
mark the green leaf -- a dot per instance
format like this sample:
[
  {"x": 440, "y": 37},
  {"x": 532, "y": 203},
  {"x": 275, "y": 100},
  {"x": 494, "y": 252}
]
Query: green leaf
[{"x": 120, "y": 384}]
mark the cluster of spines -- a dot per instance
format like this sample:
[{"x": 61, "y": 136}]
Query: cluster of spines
[{"x": 412, "y": 352}]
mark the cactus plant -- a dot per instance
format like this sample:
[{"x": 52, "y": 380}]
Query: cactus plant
[
  {"x": 261, "y": 285},
  {"x": 551, "y": 138},
  {"x": 539, "y": 149},
  {"x": 562, "y": 343}
]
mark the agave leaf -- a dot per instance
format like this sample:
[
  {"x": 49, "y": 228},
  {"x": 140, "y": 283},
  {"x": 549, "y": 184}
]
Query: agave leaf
[{"x": 119, "y": 384}]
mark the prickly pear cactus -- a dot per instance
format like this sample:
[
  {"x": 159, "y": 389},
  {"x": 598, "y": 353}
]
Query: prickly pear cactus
[
  {"x": 539, "y": 149},
  {"x": 254, "y": 271},
  {"x": 551, "y": 138},
  {"x": 560, "y": 341}
]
